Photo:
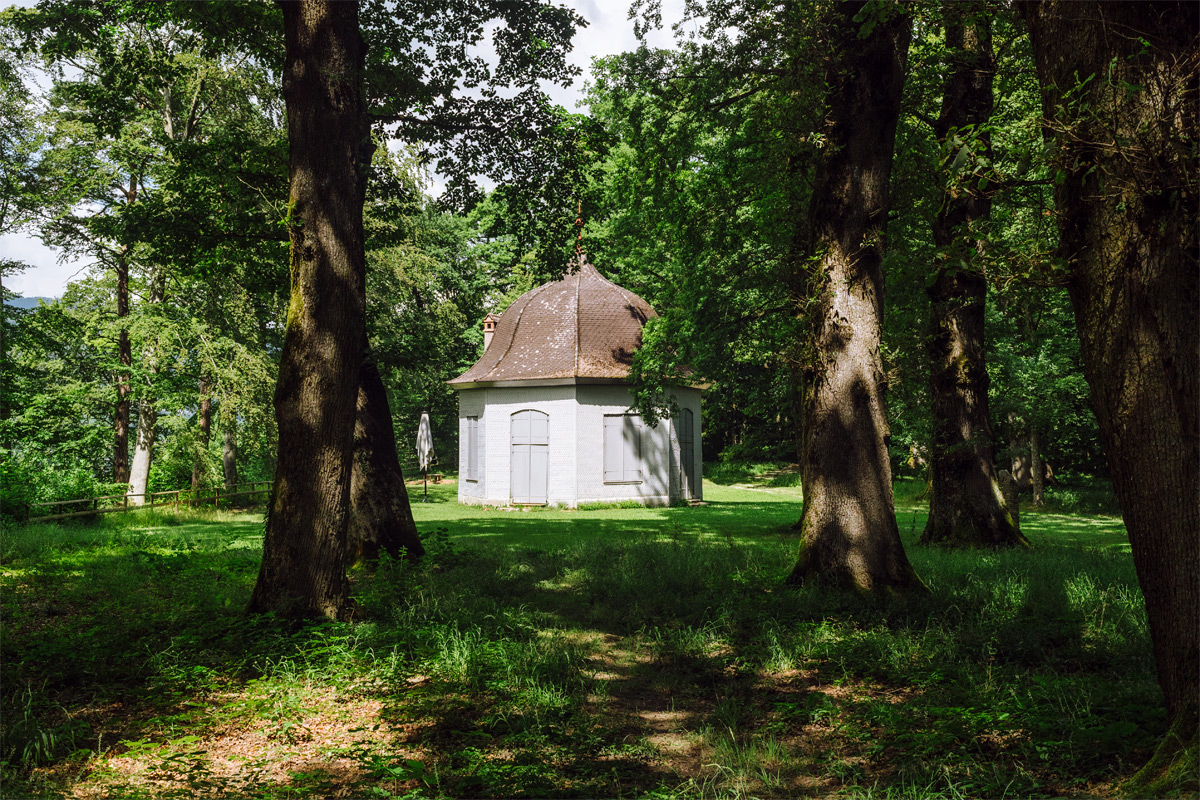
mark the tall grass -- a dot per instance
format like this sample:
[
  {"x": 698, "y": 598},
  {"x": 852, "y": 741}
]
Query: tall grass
[{"x": 528, "y": 663}]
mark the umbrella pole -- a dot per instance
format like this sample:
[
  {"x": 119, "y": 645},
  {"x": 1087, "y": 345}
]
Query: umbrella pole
[{"x": 426, "y": 500}]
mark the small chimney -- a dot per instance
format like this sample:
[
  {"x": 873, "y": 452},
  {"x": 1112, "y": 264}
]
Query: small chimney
[{"x": 489, "y": 328}]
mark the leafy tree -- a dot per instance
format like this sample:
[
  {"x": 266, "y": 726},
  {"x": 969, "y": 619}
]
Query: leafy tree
[
  {"x": 724, "y": 189},
  {"x": 1119, "y": 104},
  {"x": 133, "y": 85},
  {"x": 692, "y": 204},
  {"x": 1041, "y": 393},
  {"x": 419, "y": 61},
  {"x": 55, "y": 402},
  {"x": 20, "y": 141},
  {"x": 303, "y": 571}
]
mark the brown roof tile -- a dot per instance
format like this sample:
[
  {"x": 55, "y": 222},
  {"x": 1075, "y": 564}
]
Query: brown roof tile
[{"x": 583, "y": 326}]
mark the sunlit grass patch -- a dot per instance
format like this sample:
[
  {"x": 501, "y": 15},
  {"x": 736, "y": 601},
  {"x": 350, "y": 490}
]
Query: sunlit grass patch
[{"x": 600, "y": 652}]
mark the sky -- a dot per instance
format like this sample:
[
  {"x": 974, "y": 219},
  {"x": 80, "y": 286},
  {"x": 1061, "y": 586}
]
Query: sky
[{"x": 609, "y": 31}]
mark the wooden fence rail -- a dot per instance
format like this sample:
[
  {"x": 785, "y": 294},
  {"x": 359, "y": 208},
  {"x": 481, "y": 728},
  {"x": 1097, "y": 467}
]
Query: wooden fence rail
[{"x": 111, "y": 503}]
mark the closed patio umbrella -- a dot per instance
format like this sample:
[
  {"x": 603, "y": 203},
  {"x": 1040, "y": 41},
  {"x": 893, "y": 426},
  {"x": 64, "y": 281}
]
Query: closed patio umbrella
[{"x": 425, "y": 448}]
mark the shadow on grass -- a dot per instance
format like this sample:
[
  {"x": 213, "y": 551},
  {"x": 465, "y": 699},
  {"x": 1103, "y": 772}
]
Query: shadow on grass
[
  {"x": 1011, "y": 658},
  {"x": 609, "y": 653}
]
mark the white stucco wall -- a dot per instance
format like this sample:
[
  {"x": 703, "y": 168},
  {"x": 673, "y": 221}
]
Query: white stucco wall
[
  {"x": 576, "y": 450},
  {"x": 657, "y": 458},
  {"x": 495, "y": 408}
]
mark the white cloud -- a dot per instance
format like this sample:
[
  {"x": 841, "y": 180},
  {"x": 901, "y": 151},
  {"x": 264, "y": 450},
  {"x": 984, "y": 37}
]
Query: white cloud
[
  {"x": 46, "y": 275},
  {"x": 609, "y": 31}
]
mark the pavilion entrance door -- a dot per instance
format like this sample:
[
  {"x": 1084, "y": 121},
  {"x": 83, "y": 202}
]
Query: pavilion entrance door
[
  {"x": 687, "y": 452},
  {"x": 530, "y": 461}
]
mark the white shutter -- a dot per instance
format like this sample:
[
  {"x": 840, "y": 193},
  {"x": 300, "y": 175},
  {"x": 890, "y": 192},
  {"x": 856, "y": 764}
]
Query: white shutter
[
  {"x": 622, "y": 448},
  {"x": 687, "y": 452},
  {"x": 481, "y": 454},
  {"x": 632, "y": 457},
  {"x": 464, "y": 449},
  {"x": 472, "y": 448},
  {"x": 613, "y": 449}
]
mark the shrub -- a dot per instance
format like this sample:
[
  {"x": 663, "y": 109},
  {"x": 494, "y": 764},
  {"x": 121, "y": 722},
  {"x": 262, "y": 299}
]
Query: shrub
[
  {"x": 1082, "y": 495},
  {"x": 16, "y": 487},
  {"x": 26, "y": 481}
]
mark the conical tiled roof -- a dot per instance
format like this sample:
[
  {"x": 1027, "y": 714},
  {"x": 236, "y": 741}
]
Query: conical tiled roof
[{"x": 583, "y": 326}]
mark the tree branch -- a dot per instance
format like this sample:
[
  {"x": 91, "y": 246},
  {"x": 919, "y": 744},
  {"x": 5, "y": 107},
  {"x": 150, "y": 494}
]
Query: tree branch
[
  {"x": 442, "y": 125},
  {"x": 192, "y": 112}
]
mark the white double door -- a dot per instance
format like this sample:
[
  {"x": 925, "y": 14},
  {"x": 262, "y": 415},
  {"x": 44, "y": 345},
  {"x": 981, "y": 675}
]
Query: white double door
[{"x": 530, "y": 459}]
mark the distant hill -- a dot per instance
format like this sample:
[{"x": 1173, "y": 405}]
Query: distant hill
[{"x": 26, "y": 302}]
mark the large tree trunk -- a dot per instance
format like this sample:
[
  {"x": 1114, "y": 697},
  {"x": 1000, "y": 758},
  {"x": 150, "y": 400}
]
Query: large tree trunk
[
  {"x": 1127, "y": 200},
  {"x": 849, "y": 536},
  {"x": 1037, "y": 467},
  {"x": 125, "y": 357},
  {"x": 966, "y": 506},
  {"x": 303, "y": 569},
  {"x": 381, "y": 519},
  {"x": 204, "y": 422}
]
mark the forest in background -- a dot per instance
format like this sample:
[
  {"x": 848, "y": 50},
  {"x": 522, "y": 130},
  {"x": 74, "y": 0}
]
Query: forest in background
[{"x": 168, "y": 179}]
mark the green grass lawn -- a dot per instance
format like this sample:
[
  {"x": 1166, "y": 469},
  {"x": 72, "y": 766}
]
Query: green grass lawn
[
  {"x": 555, "y": 653},
  {"x": 750, "y": 515}
]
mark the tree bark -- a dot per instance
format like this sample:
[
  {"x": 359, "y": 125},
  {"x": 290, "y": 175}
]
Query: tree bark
[
  {"x": 303, "y": 569},
  {"x": 849, "y": 536},
  {"x": 381, "y": 518},
  {"x": 143, "y": 451},
  {"x": 1037, "y": 468},
  {"x": 204, "y": 422},
  {"x": 1012, "y": 501},
  {"x": 1120, "y": 102},
  {"x": 966, "y": 506},
  {"x": 125, "y": 357},
  {"x": 229, "y": 455}
]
